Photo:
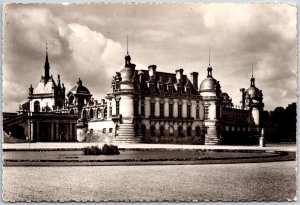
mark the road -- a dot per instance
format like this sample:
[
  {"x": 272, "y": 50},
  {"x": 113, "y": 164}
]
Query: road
[{"x": 231, "y": 182}]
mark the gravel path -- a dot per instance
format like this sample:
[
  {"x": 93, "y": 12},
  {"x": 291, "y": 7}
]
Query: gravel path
[{"x": 233, "y": 182}]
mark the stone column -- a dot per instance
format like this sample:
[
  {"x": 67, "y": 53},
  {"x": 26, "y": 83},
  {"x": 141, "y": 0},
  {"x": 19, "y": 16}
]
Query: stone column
[
  {"x": 37, "y": 130},
  {"x": 52, "y": 131},
  {"x": 71, "y": 132},
  {"x": 57, "y": 131},
  {"x": 31, "y": 131}
]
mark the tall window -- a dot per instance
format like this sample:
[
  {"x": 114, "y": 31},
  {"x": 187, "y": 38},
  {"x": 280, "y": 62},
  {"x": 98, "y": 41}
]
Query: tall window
[
  {"x": 91, "y": 113},
  {"x": 152, "y": 131},
  {"x": 188, "y": 107},
  {"x": 36, "y": 106},
  {"x": 198, "y": 131},
  {"x": 170, "y": 110},
  {"x": 179, "y": 110},
  {"x": 136, "y": 107},
  {"x": 206, "y": 112},
  {"x": 197, "y": 111},
  {"x": 189, "y": 131},
  {"x": 188, "y": 91},
  {"x": 179, "y": 131},
  {"x": 98, "y": 113},
  {"x": 152, "y": 109},
  {"x": 143, "y": 108},
  {"x": 84, "y": 114},
  {"x": 117, "y": 107},
  {"x": 161, "y": 131},
  {"x": 110, "y": 110},
  {"x": 161, "y": 109}
]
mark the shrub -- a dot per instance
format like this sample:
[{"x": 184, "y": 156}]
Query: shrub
[
  {"x": 110, "y": 149},
  {"x": 93, "y": 150},
  {"x": 105, "y": 150}
]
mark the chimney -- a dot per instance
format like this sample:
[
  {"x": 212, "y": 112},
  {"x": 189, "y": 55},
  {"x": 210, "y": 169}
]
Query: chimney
[
  {"x": 152, "y": 71},
  {"x": 194, "y": 79},
  {"x": 179, "y": 73}
]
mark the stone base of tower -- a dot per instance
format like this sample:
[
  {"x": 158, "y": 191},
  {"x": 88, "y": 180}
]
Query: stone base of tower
[
  {"x": 212, "y": 137},
  {"x": 126, "y": 134}
]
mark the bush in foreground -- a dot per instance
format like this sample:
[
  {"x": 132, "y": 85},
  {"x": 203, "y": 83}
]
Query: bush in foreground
[{"x": 105, "y": 150}]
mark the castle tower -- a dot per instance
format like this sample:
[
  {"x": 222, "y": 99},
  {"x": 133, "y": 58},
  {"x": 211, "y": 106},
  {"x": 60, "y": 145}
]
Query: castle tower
[
  {"x": 210, "y": 91},
  {"x": 254, "y": 103},
  {"x": 123, "y": 104}
]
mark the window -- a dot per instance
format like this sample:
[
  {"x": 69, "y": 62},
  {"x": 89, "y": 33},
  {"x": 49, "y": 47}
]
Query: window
[
  {"x": 198, "y": 131},
  {"x": 197, "y": 110},
  {"x": 91, "y": 113},
  {"x": 161, "y": 110},
  {"x": 117, "y": 107},
  {"x": 188, "y": 107},
  {"x": 143, "y": 108},
  {"x": 110, "y": 130},
  {"x": 188, "y": 91},
  {"x": 136, "y": 107},
  {"x": 110, "y": 110},
  {"x": 179, "y": 90},
  {"x": 206, "y": 112},
  {"x": 189, "y": 131},
  {"x": 161, "y": 131},
  {"x": 72, "y": 111},
  {"x": 179, "y": 111},
  {"x": 84, "y": 114},
  {"x": 171, "y": 131},
  {"x": 104, "y": 130},
  {"x": 36, "y": 106},
  {"x": 179, "y": 131},
  {"x": 152, "y": 131},
  {"x": 98, "y": 113},
  {"x": 170, "y": 110},
  {"x": 152, "y": 109}
]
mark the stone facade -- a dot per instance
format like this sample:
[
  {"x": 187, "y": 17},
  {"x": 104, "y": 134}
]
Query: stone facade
[{"x": 142, "y": 106}]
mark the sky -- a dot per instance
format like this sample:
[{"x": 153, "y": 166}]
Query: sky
[{"x": 88, "y": 41}]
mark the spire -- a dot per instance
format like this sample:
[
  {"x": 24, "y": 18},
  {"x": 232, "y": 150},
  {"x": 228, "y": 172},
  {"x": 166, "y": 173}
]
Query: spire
[
  {"x": 209, "y": 69},
  {"x": 252, "y": 78},
  {"x": 47, "y": 65},
  {"x": 127, "y": 45},
  {"x": 127, "y": 57},
  {"x": 209, "y": 57}
]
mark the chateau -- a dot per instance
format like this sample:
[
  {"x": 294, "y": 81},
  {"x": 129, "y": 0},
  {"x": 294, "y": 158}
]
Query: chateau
[{"x": 141, "y": 106}]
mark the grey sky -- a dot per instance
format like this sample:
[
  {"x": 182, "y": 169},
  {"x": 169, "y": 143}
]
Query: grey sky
[{"x": 89, "y": 41}]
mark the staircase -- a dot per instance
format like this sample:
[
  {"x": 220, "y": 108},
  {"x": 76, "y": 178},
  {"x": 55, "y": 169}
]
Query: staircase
[
  {"x": 126, "y": 134},
  {"x": 212, "y": 136}
]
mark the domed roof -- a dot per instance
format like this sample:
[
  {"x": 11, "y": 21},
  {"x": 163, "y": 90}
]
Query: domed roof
[
  {"x": 252, "y": 91},
  {"x": 80, "y": 89},
  {"x": 208, "y": 84},
  {"x": 126, "y": 74},
  {"x": 128, "y": 71}
]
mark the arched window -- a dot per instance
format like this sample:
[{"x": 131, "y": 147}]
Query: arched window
[
  {"x": 198, "y": 131},
  {"x": 72, "y": 111},
  {"x": 71, "y": 100},
  {"x": 179, "y": 131},
  {"x": 189, "y": 131},
  {"x": 91, "y": 113},
  {"x": 152, "y": 131},
  {"x": 37, "y": 107},
  {"x": 171, "y": 131},
  {"x": 84, "y": 114},
  {"x": 98, "y": 113},
  {"x": 161, "y": 131}
]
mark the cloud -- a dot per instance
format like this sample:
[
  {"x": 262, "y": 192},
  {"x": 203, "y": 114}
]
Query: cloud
[{"x": 88, "y": 41}]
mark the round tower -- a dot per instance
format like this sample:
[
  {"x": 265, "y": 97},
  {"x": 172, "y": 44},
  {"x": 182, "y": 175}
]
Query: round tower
[
  {"x": 254, "y": 103},
  {"x": 210, "y": 91}
]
